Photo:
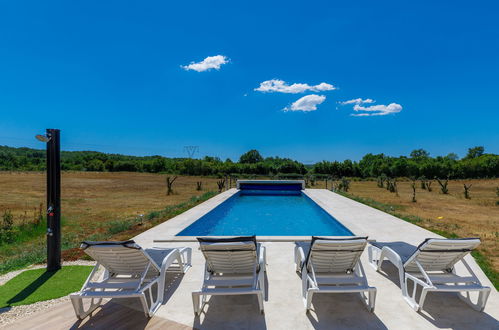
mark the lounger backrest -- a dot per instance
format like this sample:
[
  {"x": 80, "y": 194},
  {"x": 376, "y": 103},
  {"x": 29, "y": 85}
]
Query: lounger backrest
[
  {"x": 436, "y": 254},
  {"x": 124, "y": 258},
  {"x": 335, "y": 255},
  {"x": 230, "y": 255}
]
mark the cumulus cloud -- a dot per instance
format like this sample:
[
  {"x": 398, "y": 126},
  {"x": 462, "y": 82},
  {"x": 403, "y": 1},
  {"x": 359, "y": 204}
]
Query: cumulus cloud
[
  {"x": 306, "y": 103},
  {"x": 211, "y": 62},
  {"x": 376, "y": 110},
  {"x": 357, "y": 101},
  {"x": 280, "y": 86}
]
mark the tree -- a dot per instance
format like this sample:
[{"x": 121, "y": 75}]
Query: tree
[
  {"x": 420, "y": 154},
  {"x": 95, "y": 165},
  {"x": 475, "y": 152},
  {"x": 169, "y": 185},
  {"x": 251, "y": 157}
]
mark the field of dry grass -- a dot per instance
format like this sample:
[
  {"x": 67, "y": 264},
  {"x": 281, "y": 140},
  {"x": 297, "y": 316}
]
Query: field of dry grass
[
  {"x": 452, "y": 213},
  {"x": 95, "y": 196},
  {"x": 91, "y": 198},
  {"x": 95, "y": 206}
]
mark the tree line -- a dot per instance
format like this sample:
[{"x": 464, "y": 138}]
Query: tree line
[{"x": 476, "y": 164}]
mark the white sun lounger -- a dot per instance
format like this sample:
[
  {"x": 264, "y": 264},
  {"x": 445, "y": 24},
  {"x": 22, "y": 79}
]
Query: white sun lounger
[
  {"x": 130, "y": 272},
  {"x": 332, "y": 265},
  {"x": 234, "y": 266},
  {"x": 431, "y": 266}
]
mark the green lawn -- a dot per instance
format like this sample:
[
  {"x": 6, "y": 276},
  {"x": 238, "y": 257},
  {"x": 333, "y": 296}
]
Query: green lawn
[{"x": 38, "y": 285}]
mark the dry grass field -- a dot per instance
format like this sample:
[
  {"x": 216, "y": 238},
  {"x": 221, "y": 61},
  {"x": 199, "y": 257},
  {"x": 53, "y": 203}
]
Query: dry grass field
[
  {"x": 95, "y": 206},
  {"x": 92, "y": 198},
  {"x": 95, "y": 196},
  {"x": 452, "y": 213}
]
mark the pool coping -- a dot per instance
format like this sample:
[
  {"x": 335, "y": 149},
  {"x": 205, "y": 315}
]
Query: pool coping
[{"x": 172, "y": 227}]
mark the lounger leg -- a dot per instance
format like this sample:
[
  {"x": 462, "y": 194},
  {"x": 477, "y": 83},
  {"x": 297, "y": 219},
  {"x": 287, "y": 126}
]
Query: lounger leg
[
  {"x": 482, "y": 299},
  {"x": 376, "y": 257},
  {"x": 260, "y": 301},
  {"x": 186, "y": 257},
  {"x": 261, "y": 281},
  {"x": 299, "y": 258},
  {"x": 422, "y": 298},
  {"x": 369, "y": 299},
  {"x": 196, "y": 303},
  {"x": 145, "y": 307},
  {"x": 297, "y": 262},
  {"x": 78, "y": 306},
  {"x": 483, "y": 296},
  {"x": 411, "y": 299},
  {"x": 308, "y": 299},
  {"x": 372, "y": 299},
  {"x": 304, "y": 285},
  {"x": 373, "y": 255}
]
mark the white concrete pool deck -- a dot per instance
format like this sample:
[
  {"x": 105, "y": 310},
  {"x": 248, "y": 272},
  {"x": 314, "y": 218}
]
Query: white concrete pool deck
[{"x": 284, "y": 307}]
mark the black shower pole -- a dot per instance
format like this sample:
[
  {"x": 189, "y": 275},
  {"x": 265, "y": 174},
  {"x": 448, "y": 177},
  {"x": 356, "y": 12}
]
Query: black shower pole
[{"x": 52, "y": 139}]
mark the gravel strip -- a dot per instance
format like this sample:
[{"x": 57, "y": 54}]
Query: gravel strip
[{"x": 11, "y": 314}]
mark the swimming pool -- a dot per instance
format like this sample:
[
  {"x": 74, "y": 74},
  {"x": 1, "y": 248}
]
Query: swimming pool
[{"x": 267, "y": 213}]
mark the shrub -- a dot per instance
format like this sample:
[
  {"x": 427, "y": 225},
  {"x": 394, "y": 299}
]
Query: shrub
[
  {"x": 428, "y": 185},
  {"x": 344, "y": 184},
  {"x": 467, "y": 190},
  {"x": 443, "y": 185},
  {"x": 118, "y": 226},
  {"x": 153, "y": 215},
  {"x": 221, "y": 184},
  {"x": 7, "y": 230}
]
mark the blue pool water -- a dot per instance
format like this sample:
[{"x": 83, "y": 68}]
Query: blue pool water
[{"x": 267, "y": 213}]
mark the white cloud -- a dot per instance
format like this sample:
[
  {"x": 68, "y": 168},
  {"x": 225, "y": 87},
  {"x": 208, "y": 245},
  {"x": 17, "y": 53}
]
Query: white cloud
[
  {"x": 276, "y": 85},
  {"x": 306, "y": 103},
  {"x": 211, "y": 62},
  {"x": 357, "y": 101},
  {"x": 377, "y": 110}
]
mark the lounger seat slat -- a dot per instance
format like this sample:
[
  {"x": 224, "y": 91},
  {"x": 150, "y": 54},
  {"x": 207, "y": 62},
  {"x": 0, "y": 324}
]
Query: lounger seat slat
[
  {"x": 117, "y": 285},
  {"x": 229, "y": 291},
  {"x": 219, "y": 282}
]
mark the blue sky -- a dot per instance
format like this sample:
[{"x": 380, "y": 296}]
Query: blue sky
[{"x": 110, "y": 76}]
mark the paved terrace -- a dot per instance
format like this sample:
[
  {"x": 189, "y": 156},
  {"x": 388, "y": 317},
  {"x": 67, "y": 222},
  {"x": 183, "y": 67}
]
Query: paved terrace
[{"x": 283, "y": 307}]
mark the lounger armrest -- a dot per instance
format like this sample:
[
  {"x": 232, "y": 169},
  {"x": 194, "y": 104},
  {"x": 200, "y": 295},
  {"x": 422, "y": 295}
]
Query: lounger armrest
[
  {"x": 169, "y": 259},
  {"x": 300, "y": 256},
  {"x": 391, "y": 255},
  {"x": 261, "y": 257},
  {"x": 417, "y": 280}
]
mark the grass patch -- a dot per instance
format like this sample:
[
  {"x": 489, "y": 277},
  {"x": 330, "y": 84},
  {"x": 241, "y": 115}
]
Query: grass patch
[
  {"x": 118, "y": 226},
  {"x": 487, "y": 268},
  {"x": 480, "y": 258},
  {"x": 38, "y": 285}
]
